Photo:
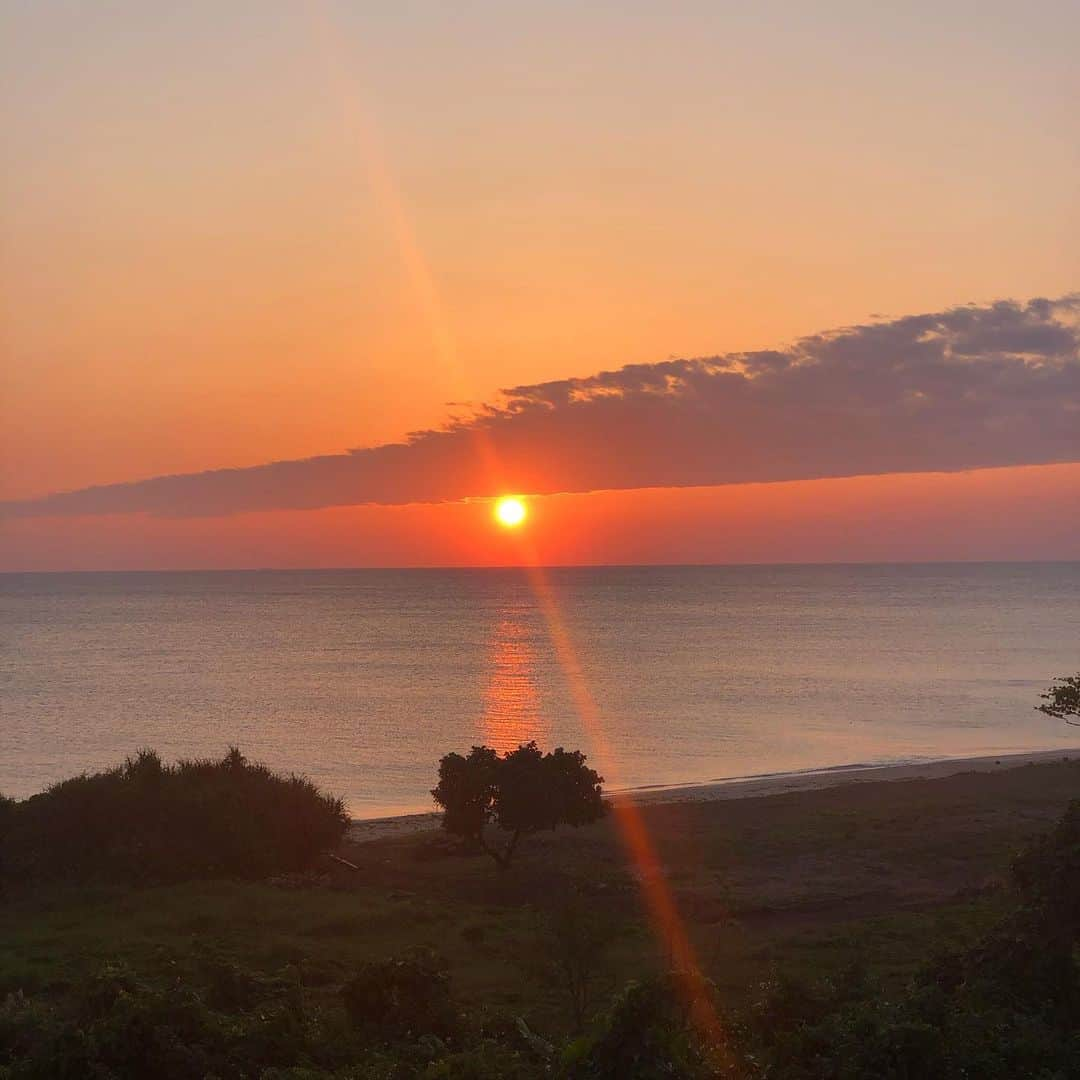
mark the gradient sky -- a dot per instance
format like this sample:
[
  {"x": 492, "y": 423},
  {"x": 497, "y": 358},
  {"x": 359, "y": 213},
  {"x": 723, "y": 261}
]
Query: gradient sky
[{"x": 243, "y": 233}]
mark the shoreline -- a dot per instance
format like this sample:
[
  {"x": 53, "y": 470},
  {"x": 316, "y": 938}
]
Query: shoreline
[{"x": 365, "y": 830}]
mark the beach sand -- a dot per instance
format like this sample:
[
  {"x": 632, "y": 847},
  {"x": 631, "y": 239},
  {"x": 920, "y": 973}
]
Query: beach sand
[{"x": 746, "y": 787}]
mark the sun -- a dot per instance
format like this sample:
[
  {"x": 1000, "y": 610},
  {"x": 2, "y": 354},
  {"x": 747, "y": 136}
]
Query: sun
[{"x": 510, "y": 512}]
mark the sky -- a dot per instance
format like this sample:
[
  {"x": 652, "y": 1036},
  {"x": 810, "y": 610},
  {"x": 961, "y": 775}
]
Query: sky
[{"x": 711, "y": 282}]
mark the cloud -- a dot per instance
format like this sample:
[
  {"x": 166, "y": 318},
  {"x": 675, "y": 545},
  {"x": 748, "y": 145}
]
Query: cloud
[{"x": 971, "y": 387}]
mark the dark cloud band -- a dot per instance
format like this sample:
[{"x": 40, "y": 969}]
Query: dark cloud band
[{"x": 971, "y": 387}]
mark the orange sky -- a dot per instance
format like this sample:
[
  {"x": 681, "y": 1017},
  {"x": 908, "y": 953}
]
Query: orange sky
[
  {"x": 231, "y": 237},
  {"x": 991, "y": 514}
]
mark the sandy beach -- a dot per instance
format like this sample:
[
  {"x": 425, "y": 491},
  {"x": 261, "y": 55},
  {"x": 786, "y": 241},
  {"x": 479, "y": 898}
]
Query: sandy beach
[{"x": 745, "y": 787}]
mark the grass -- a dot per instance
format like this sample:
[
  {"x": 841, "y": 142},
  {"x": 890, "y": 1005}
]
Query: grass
[
  {"x": 51, "y": 940},
  {"x": 809, "y": 881}
]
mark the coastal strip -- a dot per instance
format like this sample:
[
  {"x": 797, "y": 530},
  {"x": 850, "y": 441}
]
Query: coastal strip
[{"x": 745, "y": 787}]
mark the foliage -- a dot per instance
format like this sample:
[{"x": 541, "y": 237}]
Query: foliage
[
  {"x": 466, "y": 792},
  {"x": 118, "y": 1025},
  {"x": 522, "y": 792},
  {"x": 240, "y": 979},
  {"x": 224, "y": 1019},
  {"x": 1063, "y": 699},
  {"x": 653, "y": 1031},
  {"x": 1047, "y": 873},
  {"x": 1002, "y": 1010},
  {"x": 488, "y": 1060},
  {"x": 146, "y": 821},
  {"x": 572, "y": 947},
  {"x": 402, "y": 997},
  {"x": 1009, "y": 1006}
]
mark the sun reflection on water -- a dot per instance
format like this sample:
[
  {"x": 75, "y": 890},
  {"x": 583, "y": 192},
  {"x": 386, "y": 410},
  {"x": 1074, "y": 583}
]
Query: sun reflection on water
[{"x": 511, "y": 702}]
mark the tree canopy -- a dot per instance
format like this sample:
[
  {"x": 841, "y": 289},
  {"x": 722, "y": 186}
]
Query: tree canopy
[
  {"x": 521, "y": 792},
  {"x": 1063, "y": 699}
]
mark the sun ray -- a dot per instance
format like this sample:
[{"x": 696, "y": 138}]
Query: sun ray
[
  {"x": 667, "y": 923},
  {"x": 659, "y": 900}
]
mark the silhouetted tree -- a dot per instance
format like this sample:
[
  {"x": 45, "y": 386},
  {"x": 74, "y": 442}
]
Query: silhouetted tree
[
  {"x": 1063, "y": 699},
  {"x": 522, "y": 792},
  {"x": 465, "y": 791}
]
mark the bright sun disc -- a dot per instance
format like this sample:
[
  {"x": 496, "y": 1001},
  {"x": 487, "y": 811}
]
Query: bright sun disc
[{"x": 510, "y": 512}]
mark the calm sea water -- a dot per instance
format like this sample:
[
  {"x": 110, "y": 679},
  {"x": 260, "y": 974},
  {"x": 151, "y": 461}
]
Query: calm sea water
[{"x": 362, "y": 679}]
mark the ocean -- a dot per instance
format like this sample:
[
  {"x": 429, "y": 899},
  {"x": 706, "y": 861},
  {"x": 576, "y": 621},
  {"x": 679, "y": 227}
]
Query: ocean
[{"x": 362, "y": 679}]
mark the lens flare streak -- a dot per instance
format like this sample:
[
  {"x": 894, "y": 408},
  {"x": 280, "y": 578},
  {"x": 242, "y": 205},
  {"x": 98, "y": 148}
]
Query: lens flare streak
[{"x": 659, "y": 900}]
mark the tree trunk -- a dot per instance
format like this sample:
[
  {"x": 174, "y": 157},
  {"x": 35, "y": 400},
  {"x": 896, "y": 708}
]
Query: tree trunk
[
  {"x": 508, "y": 854},
  {"x": 502, "y": 858}
]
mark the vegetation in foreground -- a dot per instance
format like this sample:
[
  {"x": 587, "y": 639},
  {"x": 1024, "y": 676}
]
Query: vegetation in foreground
[
  {"x": 145, "y": 821},
  {"x": 825, "y": 952},
  {"x": 235, "y": 979}
]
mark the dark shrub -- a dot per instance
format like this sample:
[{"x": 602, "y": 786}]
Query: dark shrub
[
  {"x": 1047, "y": 873},
  {"x": 981, "y": 1028},
  {"x": 662, "y": 1028},
  {"x": 487, "y": 1061},
  {"x": 146, "y": 821},
  {"x": 401, "y": 998},
  {"x": 115, "y": 1027},
  {"x": 229, "y": 987},
  {"x": 571, "y": 953},
  {"x": 116, "y": 1024},
  {"x": 1006, "y": 1007}
]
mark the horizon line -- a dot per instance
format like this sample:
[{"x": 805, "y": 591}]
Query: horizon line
[{"x": 548, "y": 566}]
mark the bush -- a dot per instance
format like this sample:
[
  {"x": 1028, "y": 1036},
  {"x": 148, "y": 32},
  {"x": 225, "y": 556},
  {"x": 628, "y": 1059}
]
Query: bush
[
  {"x": 963, "y": 1017},
  {"x": 487, "y": 1061},
  {"x": 146, "y": 821},
  {"x": 1007, "y": 1007},
  {"x": 571, "y": 952},
  {"x": 1047, "y": 873},
  {"x": 115, "y": 1024},
  {"x": 402, "y": 998},
  {"x": 654, "y": 1030}
]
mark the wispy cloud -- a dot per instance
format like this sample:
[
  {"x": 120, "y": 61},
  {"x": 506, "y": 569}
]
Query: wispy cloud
[{"x": 970, "y": 387}]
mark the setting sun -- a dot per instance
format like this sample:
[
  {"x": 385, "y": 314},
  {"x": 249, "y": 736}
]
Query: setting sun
[{"x": 510, "y": 512}]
